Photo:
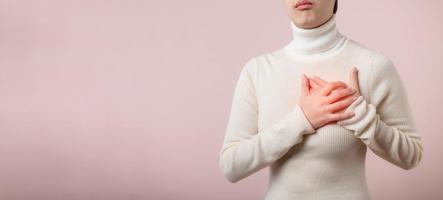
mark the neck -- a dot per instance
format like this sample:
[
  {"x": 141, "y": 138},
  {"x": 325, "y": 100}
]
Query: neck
[{"x": 323, "y": 39}]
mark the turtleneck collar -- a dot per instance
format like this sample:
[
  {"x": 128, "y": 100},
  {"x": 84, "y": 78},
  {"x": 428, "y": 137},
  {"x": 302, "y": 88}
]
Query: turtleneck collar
[{"x": 315, "y": 42}]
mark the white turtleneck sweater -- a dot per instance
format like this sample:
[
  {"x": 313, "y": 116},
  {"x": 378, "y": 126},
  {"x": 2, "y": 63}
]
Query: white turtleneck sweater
[{"x": 267, "y": 127}]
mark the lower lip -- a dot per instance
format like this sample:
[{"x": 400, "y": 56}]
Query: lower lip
[{"x": 304, "y": 6}]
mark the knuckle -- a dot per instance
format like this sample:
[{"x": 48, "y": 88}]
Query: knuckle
[
  {"x": 350, "y": 91},
  {"x": 323, "y": 118},
  {"x": 332, "y": 117},
  {"x": 342, "y": 92},
  {"x": 324, "y": 101},
  {"x": 328, "y": 99},
  {"x": 328, "y": 87},
  {"x": 350, "y": 99},
  {"x": 338, "y": 83},
  {"x": 327, "y": 109},
  {"x": 322, "y": 109}
]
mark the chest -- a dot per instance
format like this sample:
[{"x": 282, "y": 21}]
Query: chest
[
  {"x": 278, "y": 90},
  {"x": 278, "y": 85}
]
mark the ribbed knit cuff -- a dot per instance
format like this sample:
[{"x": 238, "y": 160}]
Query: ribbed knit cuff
[
  {"x": 365, "y": 114},
  {"x": 291, "y": 128}
]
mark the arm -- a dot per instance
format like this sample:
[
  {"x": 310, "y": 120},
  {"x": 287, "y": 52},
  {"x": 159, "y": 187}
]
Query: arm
[
  {"x": 245, "y": 150},
  {"x": 385, "y": 122}
]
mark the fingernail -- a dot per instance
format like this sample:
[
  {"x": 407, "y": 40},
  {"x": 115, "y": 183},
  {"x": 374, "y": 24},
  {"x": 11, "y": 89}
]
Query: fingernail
[{"x": 352, "y": 113}]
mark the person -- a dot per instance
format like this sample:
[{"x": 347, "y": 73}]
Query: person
[{"x": 310, "y": 110}]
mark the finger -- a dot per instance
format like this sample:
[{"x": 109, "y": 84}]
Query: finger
[
  {"x": 312, "y": 91},
  {"x": 333, "y": 117},
  {"x": 314, "y": 84},
  {"x": 339, "y": 83},
  {"x": 338, "y": 94},
  {"x": 305, "y": 85},
  {"x": 353, "y": 77},
  {"x": 319, "y": 80},
  {"x": 341, "y": 104},
  {"x": 316, "y": 81},
  {"x": 331, "y": 86},
  {"x": 312, "y": 88}
]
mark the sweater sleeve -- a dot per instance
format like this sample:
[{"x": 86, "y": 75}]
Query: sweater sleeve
[
  {"x": 245, "y": 150},
  {"x": 384, "y": 121}
]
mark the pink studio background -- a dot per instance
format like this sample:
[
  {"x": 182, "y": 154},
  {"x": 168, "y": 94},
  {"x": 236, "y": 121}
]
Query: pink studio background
[{"x": 130, "y": 99}]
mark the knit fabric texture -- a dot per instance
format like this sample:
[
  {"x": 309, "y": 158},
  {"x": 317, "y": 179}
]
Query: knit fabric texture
[{"x": 267, "y": 127}]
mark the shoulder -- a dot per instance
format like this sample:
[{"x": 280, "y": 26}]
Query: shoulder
[
  {"x": 252, "y": 64},
  {"x": 379, "y": 60},
  {"x": 381, "y": 65},
  {"x": 255, "y": 65},
  {"x": 268, "y": 57},
  {"x": 383, "y": 71},
  {"x": 385, "y": 79},
  {"x": 358, "y": 49},
  {"x": 249, "y": 66}
]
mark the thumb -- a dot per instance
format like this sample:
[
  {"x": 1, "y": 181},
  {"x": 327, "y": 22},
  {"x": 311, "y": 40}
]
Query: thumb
[
  {"x": 353, "y": 76},
  {"x": 304, "y": 85}
]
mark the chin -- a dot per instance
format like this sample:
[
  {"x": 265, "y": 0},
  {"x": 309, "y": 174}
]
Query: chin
[{"x": 304, "y": 20}]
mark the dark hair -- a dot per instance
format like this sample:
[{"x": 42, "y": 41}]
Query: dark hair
[{"x": 335, "y": 6}]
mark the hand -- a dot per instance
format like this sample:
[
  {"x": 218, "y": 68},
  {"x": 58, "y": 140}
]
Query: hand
[
  {"x": 316, "y": 83},
  {"x": 319, "y": 107}
]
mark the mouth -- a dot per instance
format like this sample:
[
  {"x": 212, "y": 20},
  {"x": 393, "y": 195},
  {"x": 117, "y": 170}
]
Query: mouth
[{"x": 303, "y": 4}]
